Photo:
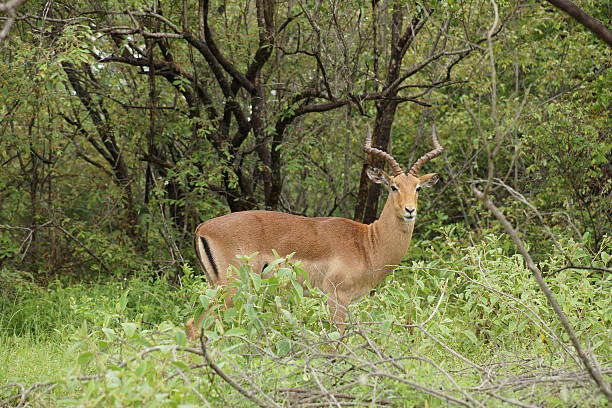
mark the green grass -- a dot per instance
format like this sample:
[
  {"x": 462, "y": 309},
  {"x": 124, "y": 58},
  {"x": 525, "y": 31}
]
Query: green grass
[{"x": 29, "y": 360}]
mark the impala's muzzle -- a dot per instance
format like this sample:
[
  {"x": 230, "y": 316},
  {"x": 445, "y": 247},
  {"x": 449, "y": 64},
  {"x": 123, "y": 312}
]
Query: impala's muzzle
[{"x": 410, "y": 214}]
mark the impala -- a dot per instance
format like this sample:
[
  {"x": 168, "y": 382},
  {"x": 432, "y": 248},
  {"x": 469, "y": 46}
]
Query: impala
[{"x": 343, "y": 258}]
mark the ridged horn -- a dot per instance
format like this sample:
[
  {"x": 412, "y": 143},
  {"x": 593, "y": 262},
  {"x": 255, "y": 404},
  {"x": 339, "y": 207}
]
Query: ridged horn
[
  {"x": 427, "y": 157},
  {"x": 367, "y": 147}
]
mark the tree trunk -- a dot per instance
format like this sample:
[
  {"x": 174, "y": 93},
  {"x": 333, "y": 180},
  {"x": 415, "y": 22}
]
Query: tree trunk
[{"x": 369, "y": 193}]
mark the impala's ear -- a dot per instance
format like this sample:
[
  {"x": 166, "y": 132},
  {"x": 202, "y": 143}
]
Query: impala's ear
[
  {"x": 428, "y": 180},
  {"x": 378, "y": 176}
]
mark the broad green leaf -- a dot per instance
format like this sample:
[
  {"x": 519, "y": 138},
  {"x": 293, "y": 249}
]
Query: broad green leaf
[
  {"x": 283, "y": 347},
  {"x": 180, "y": 337},
  {"x": 85, "y": 358},
  {"x": 110, "y": 333},
  {"x": 470, "y": 335},
  {"x": 129, "y": 329},
  {"x": 235, "y": 331},
  {"x": 179, "y": 364},
  {"x": 298, "y": 288}
]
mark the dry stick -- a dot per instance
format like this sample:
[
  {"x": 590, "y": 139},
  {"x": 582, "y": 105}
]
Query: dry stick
[
  {"x": 248, "y": 377},
  {"x": 581, "y": 267},
  {"x": 322, "y": 387},
  {"x": 40, "y": 394},
  {"x": 511, "y": 401},
  {"x": 227, "y": 378},
  {"x": 532, "y": 315},
  {"x": 11, "y": 9},
  {"x": 523, "y": 199},
  {"x": 450, "y": 379},
  {"x": 319, "y": 393},
  {"x": 419, "y": 387},
  {"x": 595, "y": 374}
]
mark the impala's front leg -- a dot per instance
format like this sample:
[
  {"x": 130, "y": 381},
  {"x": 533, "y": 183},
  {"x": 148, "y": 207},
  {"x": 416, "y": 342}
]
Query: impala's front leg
[{"x": 338, "y": 306}]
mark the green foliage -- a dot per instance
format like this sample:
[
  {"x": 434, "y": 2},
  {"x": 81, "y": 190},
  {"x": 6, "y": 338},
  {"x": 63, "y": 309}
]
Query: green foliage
[{"x": 128, "y": 337}]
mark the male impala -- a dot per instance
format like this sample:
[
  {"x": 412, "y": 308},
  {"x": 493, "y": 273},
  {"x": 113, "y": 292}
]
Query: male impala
[{"x": 343, "y": 258}]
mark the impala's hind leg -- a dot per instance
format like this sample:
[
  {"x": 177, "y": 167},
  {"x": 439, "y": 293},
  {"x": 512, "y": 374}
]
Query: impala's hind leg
[{"x": 194, "y": 329}]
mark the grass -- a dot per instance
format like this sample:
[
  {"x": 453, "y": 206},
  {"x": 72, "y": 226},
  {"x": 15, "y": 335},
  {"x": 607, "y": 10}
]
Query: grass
[{"x": 28, "y": 360}]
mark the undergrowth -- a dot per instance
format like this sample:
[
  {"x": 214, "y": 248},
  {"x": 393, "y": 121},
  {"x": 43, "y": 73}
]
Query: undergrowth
[{"x": 467, "y": 325}]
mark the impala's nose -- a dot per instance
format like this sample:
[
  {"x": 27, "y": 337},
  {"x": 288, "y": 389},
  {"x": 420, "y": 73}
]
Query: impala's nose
[{"x": 409, "y": 211}]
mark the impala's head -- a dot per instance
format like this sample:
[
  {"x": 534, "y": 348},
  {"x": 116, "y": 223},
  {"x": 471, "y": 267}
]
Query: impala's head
[{"x": 403, "y": 187}]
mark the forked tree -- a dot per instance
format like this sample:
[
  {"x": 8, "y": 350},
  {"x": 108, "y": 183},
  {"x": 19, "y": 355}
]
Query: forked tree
[{"x": 343, "y": 258}]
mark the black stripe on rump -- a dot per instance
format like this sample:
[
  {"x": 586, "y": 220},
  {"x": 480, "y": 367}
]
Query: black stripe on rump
[{"x": 210, "y": 257}]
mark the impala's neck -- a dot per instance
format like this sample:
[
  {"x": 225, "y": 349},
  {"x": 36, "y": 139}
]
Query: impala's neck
[{"x": 389, "y": 237}]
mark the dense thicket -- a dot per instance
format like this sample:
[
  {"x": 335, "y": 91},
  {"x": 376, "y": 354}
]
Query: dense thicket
[{"x": 125, "y": 125}]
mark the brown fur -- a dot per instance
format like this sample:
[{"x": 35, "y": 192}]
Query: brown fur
[{"x": 343, "y": 258}]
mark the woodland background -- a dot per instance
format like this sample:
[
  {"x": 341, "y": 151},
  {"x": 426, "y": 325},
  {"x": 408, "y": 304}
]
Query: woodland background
[{"x": 125, "y": 124}]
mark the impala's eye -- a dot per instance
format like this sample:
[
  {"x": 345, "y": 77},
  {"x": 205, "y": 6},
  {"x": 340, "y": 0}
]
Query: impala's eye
[
  {"x": 393, "y": 188},
  {"x": 418, "y": 189}
]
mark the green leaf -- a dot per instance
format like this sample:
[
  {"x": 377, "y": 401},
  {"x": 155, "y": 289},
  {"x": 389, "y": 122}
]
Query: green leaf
[
  {"x": 166, "y": 348},
  {"x": 251, "y": 313},
  {"x": 470, "y": 334},
  {"x": 283, "y": 347},
  {"x": 142, "y": 368},
  {"x": 204, "y": 301},
  {"x": 129, "y": 329},
  {"x": 110, "y": 333},
  {"x": 288, "y": 316},
  {"x": 235, "y": 331},
  {"x": 272, "y": 264},
  {"x": 179, "y": 364},
  {"x": 122, "y": 304},
  {"x": 386, "y": 325},
  {"x": 256, "y": 281},
  {"x": 298, "y": 289},
  {"x": 180, "y": 337},
  {"x": 335, "y": 335},
  {"x": 112, "y": 379},
  {"x": 85, "y": 358}
]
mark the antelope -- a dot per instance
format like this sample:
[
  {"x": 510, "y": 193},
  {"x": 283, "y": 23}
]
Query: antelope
[{"x": 343, "y": 258}]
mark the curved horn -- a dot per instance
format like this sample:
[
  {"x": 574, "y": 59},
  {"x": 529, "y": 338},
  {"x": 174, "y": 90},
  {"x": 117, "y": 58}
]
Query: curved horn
[
  {"x": 427, "y": 157},
  {"x": 367, "y": 147}
]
